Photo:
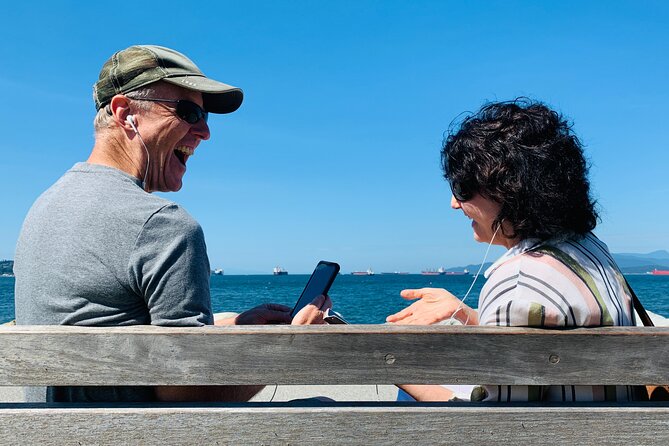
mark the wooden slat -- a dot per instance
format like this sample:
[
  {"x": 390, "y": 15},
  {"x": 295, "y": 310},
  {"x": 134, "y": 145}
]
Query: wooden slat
[
  {"x": 145, "y": 355},
  {"x": 454, "y": 424}
]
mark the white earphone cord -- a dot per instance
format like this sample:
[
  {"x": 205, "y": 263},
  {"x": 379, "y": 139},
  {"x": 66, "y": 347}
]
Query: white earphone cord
[
  {"x": 476, "y": 276},
  {"x": 131, "y": 121}
]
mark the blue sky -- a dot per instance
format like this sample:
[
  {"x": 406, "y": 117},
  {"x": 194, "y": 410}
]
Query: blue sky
[{"x": 335, "y": 152}]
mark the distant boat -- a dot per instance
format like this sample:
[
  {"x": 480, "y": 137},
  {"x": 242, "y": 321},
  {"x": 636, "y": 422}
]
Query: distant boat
[
  {"x": 659, "y": 272},
  {"x": 442, "y": 272},
  {"x": 457, "y": 273},
  {"x": 218, "y": 272},
  {"x": 433, "y": 272},
  {"x": 369, "y": 272},
  {"x": 278, "y": 271},
  {"x": 396, "y": 273}
]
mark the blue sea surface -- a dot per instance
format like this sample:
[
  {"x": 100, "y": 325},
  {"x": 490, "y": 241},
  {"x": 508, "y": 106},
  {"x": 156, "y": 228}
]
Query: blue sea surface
[
  {"x": 6, "y": 299},
  {"x": 361, "y": 299}
]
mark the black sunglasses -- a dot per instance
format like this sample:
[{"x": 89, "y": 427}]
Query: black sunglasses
[
  {"x": 186, "y": 110},
  {"x": 460, "y": 191}
]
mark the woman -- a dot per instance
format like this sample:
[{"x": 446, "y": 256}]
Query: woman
[{"x": 518, "y": 173}]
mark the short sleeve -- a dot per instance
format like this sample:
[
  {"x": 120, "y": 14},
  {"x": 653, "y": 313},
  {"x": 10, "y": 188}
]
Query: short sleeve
[{"x": 169, "y": 267}]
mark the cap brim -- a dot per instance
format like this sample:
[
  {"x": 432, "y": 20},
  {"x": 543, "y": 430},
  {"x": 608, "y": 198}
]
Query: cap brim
[{"x": 217, "y": 96}]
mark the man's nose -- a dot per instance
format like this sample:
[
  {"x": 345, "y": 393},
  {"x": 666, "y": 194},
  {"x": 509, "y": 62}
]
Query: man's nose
[
  {"x": 455, "y": 204},
  {"x": 201, "y": 129}
]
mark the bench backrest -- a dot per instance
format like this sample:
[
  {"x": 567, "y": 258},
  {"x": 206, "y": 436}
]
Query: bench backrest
[
  {"x": 146, "y": 355},
  {"x": 142, "y": 355}
]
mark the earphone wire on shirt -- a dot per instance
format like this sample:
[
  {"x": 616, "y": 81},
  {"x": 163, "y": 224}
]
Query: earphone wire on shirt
[
  {"x": 131, "y": 120},
  {"x": 476, "y": 276}
]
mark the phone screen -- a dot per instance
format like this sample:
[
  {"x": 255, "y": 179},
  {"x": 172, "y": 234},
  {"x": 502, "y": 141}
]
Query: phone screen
[{"x": 319, "y": 283}]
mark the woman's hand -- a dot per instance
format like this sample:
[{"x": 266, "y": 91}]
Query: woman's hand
[{"x": 435, "y": 305}]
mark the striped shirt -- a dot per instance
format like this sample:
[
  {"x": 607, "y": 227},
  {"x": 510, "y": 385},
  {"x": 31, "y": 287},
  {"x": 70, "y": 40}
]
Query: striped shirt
[{"x": 575, "y": 283}]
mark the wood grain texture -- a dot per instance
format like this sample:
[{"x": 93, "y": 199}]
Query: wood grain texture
[
  {"x": 339, "y": 424},
  {"x": 380, "y": 354}
]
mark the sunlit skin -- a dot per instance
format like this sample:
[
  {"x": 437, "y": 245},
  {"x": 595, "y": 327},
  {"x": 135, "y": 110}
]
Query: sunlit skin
[
  {"x": 483, "y": 212},
  {"x": 169, "y": 140},
  {"x": 164, "y": 133},
  {"x": 275, "y": 313}
]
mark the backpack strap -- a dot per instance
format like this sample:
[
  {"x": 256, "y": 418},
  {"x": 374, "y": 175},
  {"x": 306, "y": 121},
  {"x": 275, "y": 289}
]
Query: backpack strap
[
  {"x": 578, "y": 270},
  {"x": 641, "y": 311}
]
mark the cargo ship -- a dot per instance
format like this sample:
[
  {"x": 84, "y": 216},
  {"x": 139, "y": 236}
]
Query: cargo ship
[
  {"x": 443, "y": 272},
  {"x": 278, "y": 271},
  {"x": 659, "y": 272},
  {"x": 457, "y": 273},
  {"x": 369, "y": 272},
  {"x": 433, "y": 272}
]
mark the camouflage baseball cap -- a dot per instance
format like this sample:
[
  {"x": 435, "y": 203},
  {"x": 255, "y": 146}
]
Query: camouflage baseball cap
[{"x": 141, "y": 65}]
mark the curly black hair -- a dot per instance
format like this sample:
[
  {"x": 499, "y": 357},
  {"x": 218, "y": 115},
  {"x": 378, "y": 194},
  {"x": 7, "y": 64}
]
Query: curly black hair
[{"x": 524, "y": 156}]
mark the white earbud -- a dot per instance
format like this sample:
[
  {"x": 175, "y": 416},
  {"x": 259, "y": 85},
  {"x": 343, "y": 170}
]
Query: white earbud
[{"x": 131, "y": 120}]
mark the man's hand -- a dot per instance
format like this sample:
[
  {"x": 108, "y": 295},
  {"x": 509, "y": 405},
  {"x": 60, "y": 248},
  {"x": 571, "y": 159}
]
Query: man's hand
[
  {"x": 280, "y": 314},
  {"x": 313, "y": 313},
  {"x": 264, "y": 314},
  {"x": 435, "y": 305}
]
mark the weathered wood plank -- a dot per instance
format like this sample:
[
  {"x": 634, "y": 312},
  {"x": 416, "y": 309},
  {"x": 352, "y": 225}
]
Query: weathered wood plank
[
  {"x": 340, "y": 424},
  {"x": 144, "y": 355}
]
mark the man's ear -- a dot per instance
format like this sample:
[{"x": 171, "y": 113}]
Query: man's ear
[{"x": 119, "y": 108}]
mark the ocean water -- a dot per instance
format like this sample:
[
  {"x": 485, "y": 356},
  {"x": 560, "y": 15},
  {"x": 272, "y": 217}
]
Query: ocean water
[{"x": 361, "y": 299}]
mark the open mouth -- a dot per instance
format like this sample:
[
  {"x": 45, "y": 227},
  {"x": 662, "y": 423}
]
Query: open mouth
[
  {"x": 181, "y": 157},
  {"x": 183, "y": 153}
]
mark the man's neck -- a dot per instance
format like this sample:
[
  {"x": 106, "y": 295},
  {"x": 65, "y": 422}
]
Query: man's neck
[{"x": 109, "y": 151}]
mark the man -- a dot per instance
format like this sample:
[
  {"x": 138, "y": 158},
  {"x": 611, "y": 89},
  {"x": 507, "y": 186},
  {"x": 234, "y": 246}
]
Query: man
[{"x": 97, "y": 248}]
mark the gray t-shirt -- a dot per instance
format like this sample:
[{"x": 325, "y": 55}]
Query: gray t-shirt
[{"x": 97, "y": 250}]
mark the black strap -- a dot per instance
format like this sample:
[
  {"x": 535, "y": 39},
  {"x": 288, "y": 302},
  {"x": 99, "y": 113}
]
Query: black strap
[{"x": 641, "y": 311}]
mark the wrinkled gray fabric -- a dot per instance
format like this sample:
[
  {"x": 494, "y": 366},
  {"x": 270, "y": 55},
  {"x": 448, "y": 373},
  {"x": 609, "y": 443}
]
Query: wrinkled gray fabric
[{"x": 97, "y": 250}]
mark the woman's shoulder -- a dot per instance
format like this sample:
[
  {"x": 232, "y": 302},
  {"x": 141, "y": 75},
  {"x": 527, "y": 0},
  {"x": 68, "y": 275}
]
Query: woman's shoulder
[
  {"x": 548, "y": 268},
  {"x": 551, "y": 279},
  {"x": 564, "y": 257}
]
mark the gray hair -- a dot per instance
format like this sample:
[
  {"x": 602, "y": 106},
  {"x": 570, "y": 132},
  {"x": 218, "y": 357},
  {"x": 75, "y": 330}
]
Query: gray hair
[{"x": 103, "y": 118}]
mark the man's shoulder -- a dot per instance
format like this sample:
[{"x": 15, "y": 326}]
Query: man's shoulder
[
  {"x": 172, "y": 215},
  {"x": 90, "y": 180},
  {"x": 107, "y": 189},
  {"x": 91, "y": 196}
]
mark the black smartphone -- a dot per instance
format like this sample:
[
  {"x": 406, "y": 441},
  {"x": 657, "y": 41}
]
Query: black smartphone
[{"x": 319, "y": 283}]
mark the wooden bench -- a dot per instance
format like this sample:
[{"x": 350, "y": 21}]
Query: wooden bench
[{"x": 377, "y": 354}]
